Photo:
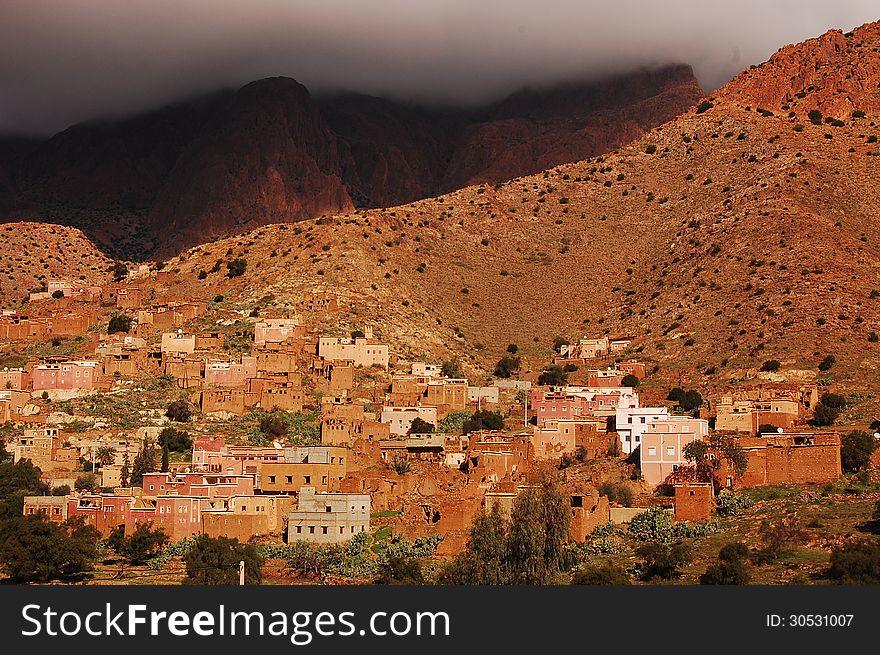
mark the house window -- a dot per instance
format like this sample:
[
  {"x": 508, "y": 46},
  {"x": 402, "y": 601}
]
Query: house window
[
  {"x": 652, "y": 450},
  {"x": 289, "y": 479},
  {"x": 328, "y": 509},
  {"x": 311, "y": 529},
  {"x": 308, "y": 479},
  {"x": 670, "y": 451},
  {"x": 271, "y": 479},
  {"x": 323, "y": 529},
  {"x": 299, "y": 529}
]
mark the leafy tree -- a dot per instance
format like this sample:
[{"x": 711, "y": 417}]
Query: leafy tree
[
  {"x": 553, "y": 376},
  {"x": 662, "y": 560},
  {"x": 824, "y": 415},
  {"x": 731, "y": 569},
  {"x": 177, "y": 441},
  {"x": 180, "y": 411},
  {"x": 357, "y": 334},
  {"x": 119, "y": 323},
  {"x": 606, "y": 573},
  {"x": 856, "y": 449},
  {"x": 451, "y": 369},
  {"x": 771, "y": 366},
  {"x": 484, "y": 420},
  {"x": 61, "y": 490},
  {"x": 163, "y": 467},
  {"x": 86, "y": 482},
  {"x": 143, "y": 544},
  {"x": 57, "y": 295},
  {"x": 17, "y": 481},
  {"x": 764, "y": 428},
  {"x": 33, "y": 549},
  {"x": 484, "y": 559},
  {"x": 274, "y": 425},
  {"x": 214, "y": 560},
  {"x": 558, "y": 342},
  {"x": 630, "y": 381},
  {"x": 506, "y": 366},
  {"x": 834, "y": 400},
  {"x": 420, "y": 426},
  {"x": 144, "y": 462},
  {"x": 236, "y": 267},
  {"x": 106, "y": 455},
  {"x": 125, "y": 473},
  {"x": 454, "y": 422},
  {"x": 779, "y": 537},
  {"x": 856, "y": 562}
]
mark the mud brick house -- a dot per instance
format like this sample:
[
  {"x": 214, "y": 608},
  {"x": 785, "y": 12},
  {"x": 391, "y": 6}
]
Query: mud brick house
[
  {"x": 631, "y": 423},
  {"x": 222, "y": 400},
  {"x": 328, "y": 517},
  {"x": 632, "y": 367},
  {"x": 364, "y": 351},
  {"x": 187, "y": 370},
  {"x": 694, "y": 501},
  {"x": 203, "y": 485},
  {"x": 14, "y": 378},
  {"x": 66, "y": 375},
  {"x": 13, "y": 404},
  {"x": 663, "y": 444},
  {"x": 230, "y": 373},
  {"x": 319, "y": 467},
  {"x": 276, "y": 357},
  {"x": 54, "y": 508},
  {"x": 604, "y": 378},
  {"x": 130, "y": 298},
  {"x": 278, "y": 330},
  {"x": 790, "y": 458},
  {"x": 344, "y": 430},
  {"x": 243, "y": 517},
  {"x": 399, "y": 419},
  {"x": 496, "y": 457},
  {"x": 558, "y": 437},
  {"x": 178, "y": 342},
  {"x": 210, "y": 341},
  {"x": 333, "y": 376},
  {"x": 589, "y": 511},
  {"x": 574, "y": 402},
  {"x": 748, "y": 415}
]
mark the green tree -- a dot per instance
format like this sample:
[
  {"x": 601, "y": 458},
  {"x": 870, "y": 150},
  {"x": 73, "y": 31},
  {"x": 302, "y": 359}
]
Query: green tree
[
  {"x": 558, "y": 342},
  {"x": 105, "y": 455},
  {"x": 484, "y": 559},
  {"x": 506, "y": 366},
  {"x": 398, "y": 570},
  {"x": 180, "y": 411},
  {"x": 125, "y": 473},
  {"x": 856, "y": 562},
  {"x": 143, "y": 544},
  {"x": 630, "y": 381},
  {"x": 144, "y": 462},
  {"x": 827, "y": 363},
  {"x": 856, "y": 449},
  {"x": 86, "y": 482},
  {"x": 32, "y": 549},
  {"x": 484, "y": 420},
  {"x": 420, "y": 426},
  {"x": 177, "y": 441},
  {"x": 731, "y": 568},
  {"x": 215, "y": 561},
  {"x": 119, "y": 323},
  {"x": 120, "y": 271},
  {"x": 163, "y": 467},
  {"x": 17, "y": 481},
  {"x": 452, "y": 369},
  {"x": 553, "y": 376}
]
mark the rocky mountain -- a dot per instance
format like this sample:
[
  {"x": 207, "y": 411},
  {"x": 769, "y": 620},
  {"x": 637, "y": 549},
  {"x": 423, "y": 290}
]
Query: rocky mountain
[{"x": 270, "y": 152}]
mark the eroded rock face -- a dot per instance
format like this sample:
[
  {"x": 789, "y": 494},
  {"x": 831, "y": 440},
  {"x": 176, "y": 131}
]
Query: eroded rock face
[
  {"x": 835, "y": 73},
  {"x": 269, "y": 152}
]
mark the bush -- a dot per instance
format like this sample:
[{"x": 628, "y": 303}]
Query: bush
[
  {"x": 451, "y": 369},
  {"x": 650, "y": 149},
  {"x": 731, "y": 568},
  {"x": 779, "y": 537},
  {"x": 606, "y": 573},
  {"x": 704, "y": 106},
  {"x": 824, "y": 415},
  {"x": 687, "y": 400},
  {"x": 119, "y": 323},
  {"x": 617, "y": 492},
  {"x": 180, "y": 411},
  {"x": 401, "y": 466},
  {"x": 856, "y": 449},
  {"x": 815, "y": 116},
  {"x": 215, "y": 561},
  {"x": 771, "y": 366},
  {"x": 236, "y": 267},
  {"x": 32, "y": 549},
  {"x": 827, "y": 363},
  {"x": 663, "y": 561},
  {"x": 120, "y": 271},
  {"x": 857, "y": 562},
  {"x": 558, "y": 342},
  {"x": 730, "y": 503},
  {"x": 273, "y": 425},
  {"x": 655, "y": 524},
  {"x": 86, "y": 482}
]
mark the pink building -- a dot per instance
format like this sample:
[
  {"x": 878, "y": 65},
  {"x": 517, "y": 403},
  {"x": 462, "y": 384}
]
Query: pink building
[
  {"x": 230, "y": 374},
  {"x": 276, "y": 330},
  {"x": 201, "y": 485},
  {"x": 66, "y": 375},
  {"x": 663, "y": 444},
  {"x": 14, "y": 378},
  {"x": 552, "y": 406}
]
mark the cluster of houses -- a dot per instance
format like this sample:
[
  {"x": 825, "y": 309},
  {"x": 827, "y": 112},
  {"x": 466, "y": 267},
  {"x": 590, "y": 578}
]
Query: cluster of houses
[{"x": 382, "y": 447}]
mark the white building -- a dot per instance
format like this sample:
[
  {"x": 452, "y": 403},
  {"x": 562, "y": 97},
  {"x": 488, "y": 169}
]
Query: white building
[
  {"x": 632, "y": 422},
  {"x": 328, "y": 518}
]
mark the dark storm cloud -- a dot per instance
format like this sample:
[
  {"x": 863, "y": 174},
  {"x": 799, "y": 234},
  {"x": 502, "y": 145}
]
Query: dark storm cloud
[{"x": 63, "y": 61}]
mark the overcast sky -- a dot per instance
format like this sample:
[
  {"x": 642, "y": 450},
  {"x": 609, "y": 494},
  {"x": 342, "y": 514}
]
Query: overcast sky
[{"x": 64, "y": 61}]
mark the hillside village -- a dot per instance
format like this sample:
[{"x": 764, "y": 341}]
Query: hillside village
[{"x": 280, "y": 431}]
